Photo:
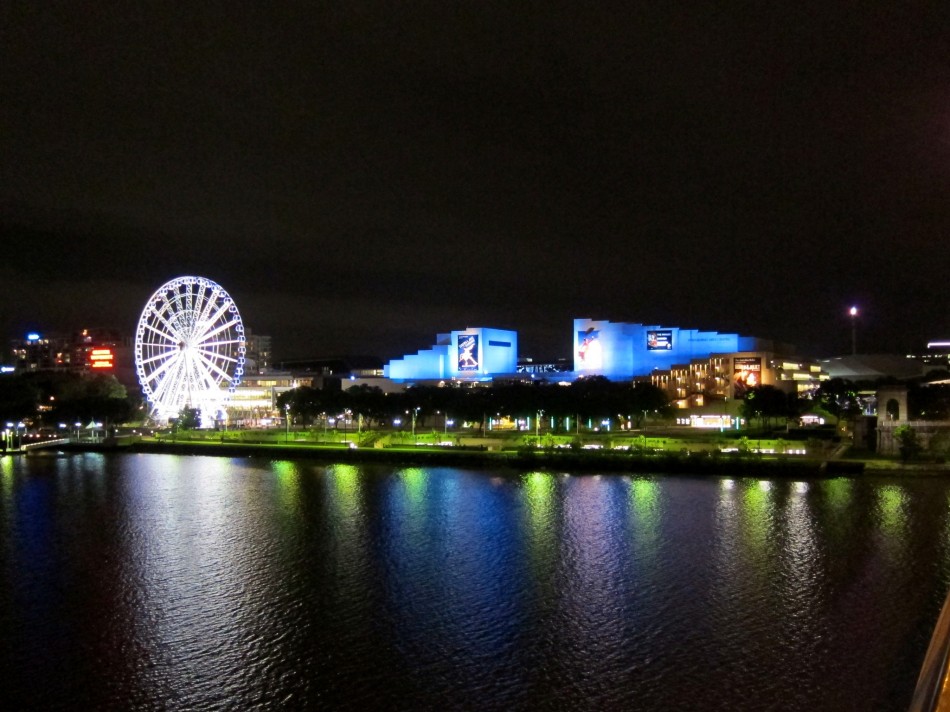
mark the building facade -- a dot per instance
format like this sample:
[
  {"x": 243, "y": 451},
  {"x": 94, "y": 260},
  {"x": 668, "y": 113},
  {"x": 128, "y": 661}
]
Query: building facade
[
  {"x": 622, "y": 351},
  {"x": 472, "y": 354},
  {"x": 726, "y": 377}
]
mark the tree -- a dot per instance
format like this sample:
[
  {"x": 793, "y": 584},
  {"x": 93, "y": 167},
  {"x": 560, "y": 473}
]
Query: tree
[
  {"x": 18, "y": 398},
  {"x": 908, "y": 442},
  {"x": 84, "y": 397},
  {"x": 189, "y": 419},
  {"x": 765, "y": 403},
  {"x": 838, "y": 398}
]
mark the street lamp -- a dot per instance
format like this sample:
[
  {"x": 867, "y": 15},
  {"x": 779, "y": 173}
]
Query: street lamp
[
  {"x": 287, "y": 422},
  {"x": 854, "y": 331},
  {"x": 415, "y": 412},
  {"x": 537, "y": 429}
]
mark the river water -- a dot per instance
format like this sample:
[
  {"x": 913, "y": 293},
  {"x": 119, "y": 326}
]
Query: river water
[{"x": 170, "y": 583}]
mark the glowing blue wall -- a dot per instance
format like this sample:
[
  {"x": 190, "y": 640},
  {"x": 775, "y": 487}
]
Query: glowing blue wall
[
  {"x": 620, "y": 351},
  {"x": 431, "y": 362},
  {"x": 473, "y": 353}
]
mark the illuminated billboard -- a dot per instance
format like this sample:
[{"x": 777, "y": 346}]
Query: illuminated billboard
[
  {"x": 746, "y": 374},
  {"x": 661, "y": 340},
  {"x": 101, "y": 358},
  {"x": 590, "y": 352},
  {"x": 467, "y": 352}
]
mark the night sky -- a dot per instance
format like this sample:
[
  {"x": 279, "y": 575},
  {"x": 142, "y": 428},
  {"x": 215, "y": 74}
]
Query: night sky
[{"x": 362, "y": 177}]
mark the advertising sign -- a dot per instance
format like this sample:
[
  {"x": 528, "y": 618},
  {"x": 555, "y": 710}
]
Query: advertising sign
[
  {"x": 101, "y": 358},
  {"x": 590, "y": 353},
  {"x": 468, "y": 352},
  {"x": 661, "y": 340},
  {"x": 746, "y": 374}
]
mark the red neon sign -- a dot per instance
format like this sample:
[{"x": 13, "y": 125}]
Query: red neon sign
[{"x": 101, "y": 358}]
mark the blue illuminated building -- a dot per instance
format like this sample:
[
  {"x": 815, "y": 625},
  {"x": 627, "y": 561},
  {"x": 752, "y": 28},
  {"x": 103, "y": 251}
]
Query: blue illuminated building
[
  {"x": 618, "y": 351},
  {"x": 473, "y": 354},
  {"x": 621, "y": 351}
]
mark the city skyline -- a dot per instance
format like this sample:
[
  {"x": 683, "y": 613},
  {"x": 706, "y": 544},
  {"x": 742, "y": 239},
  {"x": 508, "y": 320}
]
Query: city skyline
[{"x": 358, "y": 180}]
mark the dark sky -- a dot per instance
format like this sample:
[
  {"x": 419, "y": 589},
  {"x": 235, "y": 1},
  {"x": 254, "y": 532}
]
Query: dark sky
[{"x": 362, "y": 177}]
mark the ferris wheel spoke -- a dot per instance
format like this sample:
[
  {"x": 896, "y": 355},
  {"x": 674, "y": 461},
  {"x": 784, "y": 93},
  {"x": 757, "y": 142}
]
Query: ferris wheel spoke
[
  {"x": 222, "y": 343},
  {"x": 162, "y": 386},
  {"x": 165, "y": 383},
  {"x": 223, "y": 327},
  {"x": 214, "y": 320},
  {"x": 216, "y": 356},
  {"x": 158, "y": 357},
  {"x": 210, "y": 300},
  {"x": 168, "y": 337},
  {"x": 170, "y": 362},
  {"x": 210, "y": 381},
  {"x": 213, "y": 366},
  {"x": 172, "y": 329}
]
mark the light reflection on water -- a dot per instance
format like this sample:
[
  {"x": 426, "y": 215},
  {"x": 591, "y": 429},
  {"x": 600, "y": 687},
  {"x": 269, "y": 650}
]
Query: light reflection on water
[{"x": 156, "y": 582}]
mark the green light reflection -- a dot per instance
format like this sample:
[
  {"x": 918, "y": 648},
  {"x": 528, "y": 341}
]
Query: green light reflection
[
  {"x": 540, "y": 515},
  {"x": 892, "y": 508},
  {"x": 416, "y": 481},
  {"x": 838, "y": 492},
  {"x": 645, "y": 508},
  {"x": 539, "y": 495},
  {"x": 6, "y": 474},
  {"x": 288, "y": 484},
  {"x": 345, "y": 480},
  {"x": 757, "y": 515}
]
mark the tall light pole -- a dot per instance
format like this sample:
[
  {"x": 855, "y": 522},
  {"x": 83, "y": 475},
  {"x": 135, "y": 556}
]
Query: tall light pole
[
  {"x": 854, "y": 330},
  {"x": 287, "y": 422}
]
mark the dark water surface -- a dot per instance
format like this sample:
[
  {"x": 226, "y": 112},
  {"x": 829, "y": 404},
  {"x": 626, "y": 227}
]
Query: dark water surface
[{"x": 200, "y": 583}]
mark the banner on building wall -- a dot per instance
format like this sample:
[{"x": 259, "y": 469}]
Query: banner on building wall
[
  {"x": 468, "y": 352},
  {"x": 101, "y": 358},
  {"x": 590, "y": 353},
  {"x": 746, "y": 374},
  {"x": 661, "y": 340}
]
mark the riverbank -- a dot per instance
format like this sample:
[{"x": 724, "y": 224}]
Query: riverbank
[{"x": 581, "y": 461}]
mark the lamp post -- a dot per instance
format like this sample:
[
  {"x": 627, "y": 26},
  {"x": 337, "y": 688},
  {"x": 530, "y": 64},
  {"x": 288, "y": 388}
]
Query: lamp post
[
  {"x": 854, "y": 330},
  {"x": 537, "y": 428},
  {"x": 287, "y": 422}
]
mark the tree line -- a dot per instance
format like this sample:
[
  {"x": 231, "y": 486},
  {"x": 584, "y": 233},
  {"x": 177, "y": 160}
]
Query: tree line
[
  {"x": 48, "y": 398},
  {"x": 588, "y": 398}
]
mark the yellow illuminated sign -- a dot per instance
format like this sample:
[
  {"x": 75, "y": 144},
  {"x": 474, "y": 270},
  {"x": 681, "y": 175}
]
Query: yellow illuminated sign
[{"x": 101, "y": 358}]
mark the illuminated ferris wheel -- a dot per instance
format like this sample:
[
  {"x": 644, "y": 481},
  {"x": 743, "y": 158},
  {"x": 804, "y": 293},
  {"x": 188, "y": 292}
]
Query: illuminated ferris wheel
[{"x": 189, "y": 349}]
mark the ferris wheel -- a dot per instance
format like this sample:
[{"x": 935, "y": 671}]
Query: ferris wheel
[{"x": 189, "y": 349}]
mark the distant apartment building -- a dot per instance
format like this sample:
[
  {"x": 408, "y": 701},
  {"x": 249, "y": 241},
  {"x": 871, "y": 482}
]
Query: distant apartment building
[
  {"x": 86, "y": 351},
  {"x": 258, "y": 356}
]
